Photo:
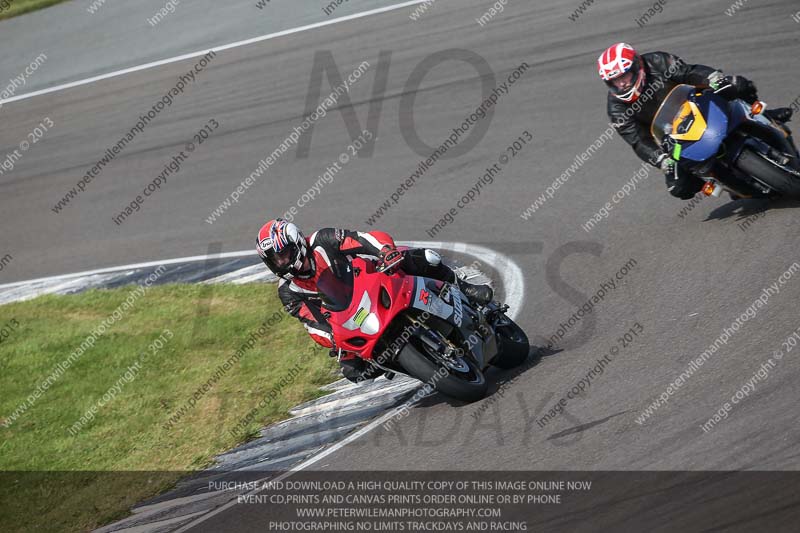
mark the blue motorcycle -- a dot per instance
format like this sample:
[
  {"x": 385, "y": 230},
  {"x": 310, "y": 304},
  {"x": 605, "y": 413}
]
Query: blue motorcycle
[{"x": 730, "y": 144}]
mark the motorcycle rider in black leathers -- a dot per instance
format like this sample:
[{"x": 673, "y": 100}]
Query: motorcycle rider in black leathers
[{"x": 637, "y": 86}]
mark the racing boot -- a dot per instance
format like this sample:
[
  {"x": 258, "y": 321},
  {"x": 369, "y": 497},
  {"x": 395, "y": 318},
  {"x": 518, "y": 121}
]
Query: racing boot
[
  {"x": 782, "y": 115},
  {"x": 480, "y": 294}
]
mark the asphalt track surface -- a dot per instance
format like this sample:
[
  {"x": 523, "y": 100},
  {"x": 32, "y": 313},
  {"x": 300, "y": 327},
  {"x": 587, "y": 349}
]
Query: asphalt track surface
[{"x": 694, "y": 275}]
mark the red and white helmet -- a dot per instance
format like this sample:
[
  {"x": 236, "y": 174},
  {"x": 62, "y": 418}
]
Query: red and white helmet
[
  {"x": 615, "y": 64},
  {"x": 283, "y": 248}
]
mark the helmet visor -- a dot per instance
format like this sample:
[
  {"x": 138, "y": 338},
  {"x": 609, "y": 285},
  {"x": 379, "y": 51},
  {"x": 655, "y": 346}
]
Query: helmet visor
[
  {"x": 281, "y": 262},
  {"x": 285, "y": 257},
  {"x": 626, "y": 82}
]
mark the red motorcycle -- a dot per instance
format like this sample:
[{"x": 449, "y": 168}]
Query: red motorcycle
[{"x": 418, "y": 326}]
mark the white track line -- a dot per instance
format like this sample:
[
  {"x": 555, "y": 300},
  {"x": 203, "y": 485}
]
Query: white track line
[
  {"x": 220, "y": 48},
  {"x": 514, "y": 285},
  {"x": 226, "y": 255},
  {"x": 513, "y": 279}
]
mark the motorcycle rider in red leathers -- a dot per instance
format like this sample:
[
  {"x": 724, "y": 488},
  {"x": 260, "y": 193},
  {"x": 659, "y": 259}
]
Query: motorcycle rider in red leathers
[{"x": 299, "y": 261}]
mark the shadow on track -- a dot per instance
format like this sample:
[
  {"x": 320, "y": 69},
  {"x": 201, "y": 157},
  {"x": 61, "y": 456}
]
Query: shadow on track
[{"x": 745, "y": 208}]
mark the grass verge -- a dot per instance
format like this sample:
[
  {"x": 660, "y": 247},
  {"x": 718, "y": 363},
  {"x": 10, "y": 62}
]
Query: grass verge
[
  {"x": 128, "y": 449},
  {"x": 12, "y": 8}
]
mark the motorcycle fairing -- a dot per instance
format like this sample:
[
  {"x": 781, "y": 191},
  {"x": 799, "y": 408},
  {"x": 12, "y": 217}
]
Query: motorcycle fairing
[
  {"x": 364, "y": 308},
  {"x": 689, "y": 125},
  {"x": 426, "y": 299},
  {"x": 451, "y": 294},
  {"x": 740, "y": 112},
  {"x": 759, "y": 128},
  {"x": 359, "y": 326},
  {"x": 709, "y": 115},
  {"x": 446, "y": 301}
]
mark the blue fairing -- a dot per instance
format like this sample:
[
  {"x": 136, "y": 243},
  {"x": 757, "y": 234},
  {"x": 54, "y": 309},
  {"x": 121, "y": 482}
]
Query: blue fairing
[
  {"x": 714, "y": 110},
  {"x": 738, "y": 114}
]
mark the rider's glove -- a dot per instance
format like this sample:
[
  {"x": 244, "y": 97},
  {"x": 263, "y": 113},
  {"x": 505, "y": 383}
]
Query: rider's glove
[
  {"x": 716, "y": 80},
  {"x": 666, "y": 164},
  {"x": 390, "y": 258},
  {"x": 731, "y": 87},
  {"x": 667, "y": 146},
  {"x": 745, "y": 89}
]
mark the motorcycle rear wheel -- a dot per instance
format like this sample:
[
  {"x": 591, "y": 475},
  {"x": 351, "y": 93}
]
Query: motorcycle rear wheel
[
  {"x": 468, "y": 386},
  {"x": 782, "y": 181}
]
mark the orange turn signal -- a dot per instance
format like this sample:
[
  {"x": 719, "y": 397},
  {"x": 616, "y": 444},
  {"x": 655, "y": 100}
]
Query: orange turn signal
[
  {"x": 757, "y": 108},
  {"x": 708, "y": 188}
]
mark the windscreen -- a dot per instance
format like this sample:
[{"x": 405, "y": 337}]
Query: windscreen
[
  {"x": 670, "y": 107},
  {"x": 336, "y": 289}
]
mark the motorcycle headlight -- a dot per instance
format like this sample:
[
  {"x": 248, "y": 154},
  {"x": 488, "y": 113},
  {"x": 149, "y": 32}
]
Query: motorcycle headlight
[{"x": 371, "y": 324}]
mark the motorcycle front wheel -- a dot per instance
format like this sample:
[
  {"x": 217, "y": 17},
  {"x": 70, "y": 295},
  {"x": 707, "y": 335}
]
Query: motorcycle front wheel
[
  {"x": 512, "y": 345},
  {"x": 463, "y": 381}
]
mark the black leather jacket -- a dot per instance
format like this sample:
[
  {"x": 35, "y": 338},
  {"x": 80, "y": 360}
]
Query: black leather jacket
[{"x": 632, "y": 121}]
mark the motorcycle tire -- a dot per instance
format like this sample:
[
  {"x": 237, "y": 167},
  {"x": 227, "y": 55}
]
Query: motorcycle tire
[
  {"x": 512, "y": 346},
  {"x": 468, "y": 387},
  {"x": 784, "y": 182}
]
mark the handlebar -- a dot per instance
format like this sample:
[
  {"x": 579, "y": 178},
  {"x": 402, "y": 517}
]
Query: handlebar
[{"x": 390, "y": 262}]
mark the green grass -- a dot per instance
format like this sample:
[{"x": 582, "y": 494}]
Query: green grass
[
  {"x": 18, "y": 7},
  {"x": 128, "y": 434}
]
